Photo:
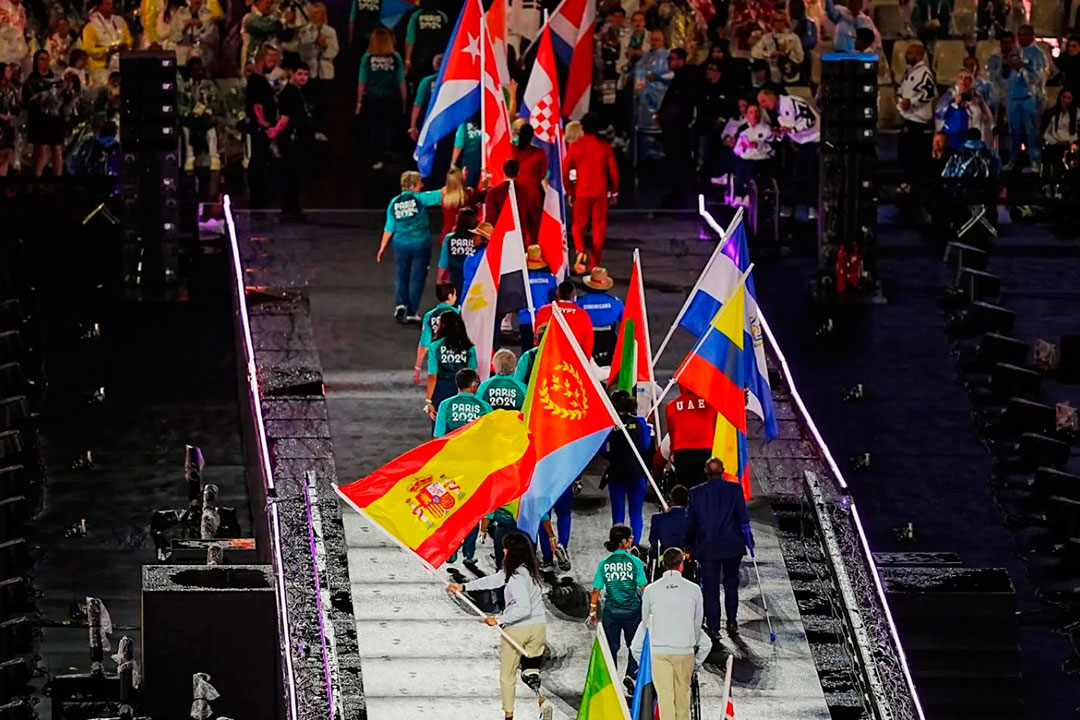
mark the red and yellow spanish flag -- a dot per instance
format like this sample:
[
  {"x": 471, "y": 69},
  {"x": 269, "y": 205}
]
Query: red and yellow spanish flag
[{"x": 431, "y": 497}]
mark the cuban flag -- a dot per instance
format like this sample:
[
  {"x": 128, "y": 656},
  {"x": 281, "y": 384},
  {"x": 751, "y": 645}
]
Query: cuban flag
[
  {"x": 572, "y": 29},
  {"x": 456, "y": 96},
  {"x": 720, "y": 276}
]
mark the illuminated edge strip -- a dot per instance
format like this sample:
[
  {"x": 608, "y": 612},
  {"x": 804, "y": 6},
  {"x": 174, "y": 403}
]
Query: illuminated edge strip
[
  {"x": 264, "y": 456},
  {"x": 789, "y": 378}
]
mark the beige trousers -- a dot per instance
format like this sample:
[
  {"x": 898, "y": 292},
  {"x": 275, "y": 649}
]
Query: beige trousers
[
  {"x": 671, "y": 675},
  {"x": 530, "y": 637}
]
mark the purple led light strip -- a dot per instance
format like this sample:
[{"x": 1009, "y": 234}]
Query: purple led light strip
[
  {"x": 869, "y": 556},
  {"x": 318, "y": 597}
]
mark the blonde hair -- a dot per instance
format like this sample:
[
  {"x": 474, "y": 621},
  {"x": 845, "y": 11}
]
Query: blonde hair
[
  {"x": 516, "y": 125},
  {"x": 381, "y": 42},
  {"x": 504, "y": 361},
  {"x": 410, "y": 179},
  {"x": 453, "y": 194},
  {"x": 573, "y": 132}
]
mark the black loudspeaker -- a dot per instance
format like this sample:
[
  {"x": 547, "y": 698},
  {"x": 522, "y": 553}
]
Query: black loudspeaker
[
  {"x": 1050, "y": 481},
  {"x": 958, "y": 255},
  {"x": 994, "y": 348},
  {"x": 1039, "y": 450},
  {"x": 986, "y": 317},
  {"x": 220, "y": 620},
  {"x": 1026, "y": 416},
  {"x": 1069, "y": 367},
  {"x": 14, "y": 558},
  {"x": 1063, "y": 517},
  {"x": 848, "y": 202},
  {"x": 13, "y": 481},
  {"x": 1008, "y": 380},
  {"x": 978, "y": 284},
  {"x": 150, "y": 172},
  {"x": 14, "y": 514}
]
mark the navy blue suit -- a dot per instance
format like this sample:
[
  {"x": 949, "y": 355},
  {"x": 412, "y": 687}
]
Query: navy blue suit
[
  {"x": 716, "y": 540},
  {"x": 669, "y": 528}
]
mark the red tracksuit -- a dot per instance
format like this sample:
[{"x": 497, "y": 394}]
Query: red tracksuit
[
  {"x": 691, "y": 423},
  {"x": 532, "y": 169},
  {"x": 597, "y": 175},
  {"x": 577, "y": 320}
]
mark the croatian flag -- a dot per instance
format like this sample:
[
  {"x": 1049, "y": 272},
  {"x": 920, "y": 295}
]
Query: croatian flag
[
  {"x": 456, "y": 96},
  {"x": 497, "y": 148},
  {"x": 720, "y": 276},
  {"x": 572, "y": 25},
  {"x": 540, "y": 106}
]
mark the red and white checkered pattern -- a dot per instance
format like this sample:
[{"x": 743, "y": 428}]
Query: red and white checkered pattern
[{"x": 544, "y": 118}]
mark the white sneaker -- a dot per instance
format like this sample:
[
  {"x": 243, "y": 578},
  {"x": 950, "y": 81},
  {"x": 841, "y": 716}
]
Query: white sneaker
[
  {"x": 786, "y": 211},
  {"x": 506, "y": 325},
  {"x": 399, "y": 313},
  {"x": 378, "y": 166},
  {"x": 811, "y": 213},
  {"x": 414, "y": 320},
  {"x": 321, "y": 137}
]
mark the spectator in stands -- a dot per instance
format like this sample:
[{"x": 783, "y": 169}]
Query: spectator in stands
[
  {"x": 293, "y": 134},
  {"x": 542, "y": 287},
  {"x": 199, "y": 104},
  {"x": 103, "y": 37},
  {"x": 1025, "y": 72},
  {"x": 1059, "y": 128},
  {"x": 940, "y": 152},
  {"x": 77, "y": 65},
  {"x": 595, "y": 185},
  {"x": 678, "y": 20},
  {"x": 761, "y": 77},
  {"x": 262, "y": 113},
  {"x": 754, "y": 150},
  {"x": 1068, "y": 64},
  {"x": 317, "y": 43},
  {"x": 843, "y": 16},
  {"x": 984, "y": 87},
  {"x": 408, "y": 225},
  {"x": 651, "y": 81},
  {"x": 675, "y": 114},
  {"x": 60, "y": 44},
  {"x": 961, "y": 108},
  {"x": 991, "y": 17},
  {"x": 778, "y": 44},
  {"x": 716, "y": 103},
  {"x": 799, "y": 123},
  {"x": 10, "y": 105},
  {"x": 931, "y": 20},
  {"x": 735, "y": 125},
  {"x": 381, "y": 90},
  {"x": 13, "y": 47},
  {"x": 47, "y": 99},
  {"x": 804, "y": 28},
  {"x": 190, "y": 31},
  {"x": 915, "y": 100},
  {"x": 426, "y": 35},
  {"x": 637, "y": 41},
  {"x": 264, "y": 26},
  {"x": 532, "y": 171}
]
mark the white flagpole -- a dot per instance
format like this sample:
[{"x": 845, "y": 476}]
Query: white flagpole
[
  {"x": 701, "y": 340},
  {"x": 512, "y": 199},
  {"x": 727, "y": 688},
  {"x": 607, "y": 404},
  {"x": 613, "y": 672},
  {"x": 648, "y": 341},
  {"x": 686, "y": 305},
  {"x": 428, "y": 566},
  {"x": 484, "y": 40}
]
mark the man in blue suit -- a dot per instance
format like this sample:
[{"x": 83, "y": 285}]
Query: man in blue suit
[{"x": 718, "y": 535}]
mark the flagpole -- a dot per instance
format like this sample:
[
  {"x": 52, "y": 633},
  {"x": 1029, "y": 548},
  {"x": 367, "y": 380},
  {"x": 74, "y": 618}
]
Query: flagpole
[
  {"x": 512, "y": 197},
  {"x": 686, "y": 305},
  {"x": 648, "y": 340},
  {"x": 483, "y": 90},
  {"x": 727, "y": 688},
  {"x": 610, "y": 408},
  {"x": 613, "y": 671},
  {"x": 428, "y": 566},
  {"x": 704, "y": 335}
]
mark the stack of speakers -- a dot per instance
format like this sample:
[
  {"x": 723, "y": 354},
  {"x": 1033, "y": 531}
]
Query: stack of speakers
[
  {"x": 150, "y": 177},
  {"x": 21, "y": 475},
  {"x": 848, "y": 158}
]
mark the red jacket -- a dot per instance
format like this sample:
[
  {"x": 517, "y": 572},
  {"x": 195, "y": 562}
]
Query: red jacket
[
  {"x": 597, "y": 172},
  {"x": 532, "y": 166},
  {"x": 691, "y": 422},
  {"x": 575, "y": 317}
]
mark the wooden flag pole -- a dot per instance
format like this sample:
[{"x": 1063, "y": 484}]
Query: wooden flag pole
[
  {"x": 704, "y": 335},
  {"x": 610, "y": 408},
  {"x": 428, "y": 566}
]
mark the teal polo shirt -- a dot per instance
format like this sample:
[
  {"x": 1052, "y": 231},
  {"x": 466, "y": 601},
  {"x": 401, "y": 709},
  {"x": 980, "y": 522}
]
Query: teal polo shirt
[
  {"x": 620, "y": 575},
  {"x": 407, "y": 219},
  {"x": 458, "y": 411},
  {"x": 502, "y": 392}
]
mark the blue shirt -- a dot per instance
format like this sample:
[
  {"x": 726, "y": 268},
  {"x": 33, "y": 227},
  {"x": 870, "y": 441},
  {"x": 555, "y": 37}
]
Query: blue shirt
[
  {"x": 669, "y": 528},
  {"x": 542, "y": 286},
  {"x": 407, "y": 219},
  {"x": 604, "y": 310},
  {"x": 845, "y": 27},
  {"x": 1028, "y": 82},
  {"x": 622, "y": 464}
]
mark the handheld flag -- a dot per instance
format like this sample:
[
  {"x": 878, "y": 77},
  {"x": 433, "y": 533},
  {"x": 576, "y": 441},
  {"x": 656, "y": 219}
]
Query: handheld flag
[
  {"x": 456, "y": 96},
  {"x": 392, "y": 12},
  {"x": 552, "y": 235},
  {"x": 632, "y": 344},
  {"x": 568, "y": 416},
  {"x": 572, "y": 30},
  {"x": 430, "y": 498},
  {"x": 497, "y": 148},
  {"x": 602, "y": 698},
  {"x": 725, "y": 700},
  {"x": 641, "y": 707},
  {"x": 731, "y": 260},
  {"x": 495, "y": 20},
  {"x": 499, "y": 286},
  {"x": 540, "y": 106}
]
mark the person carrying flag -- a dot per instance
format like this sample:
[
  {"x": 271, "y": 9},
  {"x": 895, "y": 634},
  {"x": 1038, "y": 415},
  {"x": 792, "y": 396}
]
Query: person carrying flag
[
  {"x": 446, "y": 294},
  {"x": 502, "y": 390},
  {"x": 542, "y": 287},
  {"x": 604, "y": 310},
  {"x": 595, "y": 185},
  {"x": 532, "y": 171},
  {"x": 576, "y": 318},
  {"x": 621, "y": 578},
  {"x": 626, "y": 480},
  {"x": 718, "y": 536},
  {"x": 691, "y": 424},
  {"x": 527, "y": 361}
]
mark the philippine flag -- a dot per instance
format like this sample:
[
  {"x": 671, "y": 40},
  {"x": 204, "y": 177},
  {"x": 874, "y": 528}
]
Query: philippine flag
[
  {"x": 572, "y": 25},
  {"x": 456, "y": 96}
]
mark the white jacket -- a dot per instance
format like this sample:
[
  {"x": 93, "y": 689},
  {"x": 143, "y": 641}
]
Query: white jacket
[
  {"x": 761, "y": 134},
  {"x": 677, "y": 611},
  {"x": 320, "y": 60},
  {"x": 800, "y": 117},
  {"x": 918, "y": 87},
  {"x": 787, "y": 43},
  {"x": 524, "y": 598},
  {"x": 1057, "y": 130}
]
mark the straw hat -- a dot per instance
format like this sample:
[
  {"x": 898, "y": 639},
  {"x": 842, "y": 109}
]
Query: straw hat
[
  {"x": 534, "y": 258},
  {"x": 598, "y": 279},
  {"x": 484, "y": 230}
]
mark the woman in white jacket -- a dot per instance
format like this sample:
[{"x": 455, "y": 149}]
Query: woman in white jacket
[{"x": 522, "y": 619}]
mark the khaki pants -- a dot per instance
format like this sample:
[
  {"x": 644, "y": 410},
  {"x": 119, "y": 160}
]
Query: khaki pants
[
  {"x": 530, "y": 637},
  {"x": 671, "y": 675}
]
